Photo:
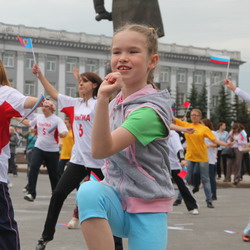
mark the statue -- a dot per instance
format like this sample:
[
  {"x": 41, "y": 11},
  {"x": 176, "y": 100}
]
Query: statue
[{"x": 131, "y": 11}]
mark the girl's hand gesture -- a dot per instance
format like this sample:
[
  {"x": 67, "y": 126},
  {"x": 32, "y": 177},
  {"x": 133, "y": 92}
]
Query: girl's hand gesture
[
  {"x": 36, "y": 70},
  {"x": 112, "y": 83}
]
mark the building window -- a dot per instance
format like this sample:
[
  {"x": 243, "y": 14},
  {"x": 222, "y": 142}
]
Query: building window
[
  {"x": 30, "y": 88},
  {"x": 216, "y": 78},
  {"x": 8, "y": 60},
  {"x": 92, "y": 65},
  {"x": 51, "y": 64},
  {"x": 29, "y": 62},
  {"x": 164, "y": 74},
  {"x": 71, "y": 90},
  {"x": 181, "y": 98},
  {"x": 181, "y": 76},
  {"x": 215, "y": 101},
  {"x": 71, "y": 64},
  {"x": 198, "y": 77}
]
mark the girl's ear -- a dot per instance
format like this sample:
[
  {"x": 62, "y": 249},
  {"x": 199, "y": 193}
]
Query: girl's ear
[
  {"x": 153, "y": 61},
  {"x": 94, "y": 85}
]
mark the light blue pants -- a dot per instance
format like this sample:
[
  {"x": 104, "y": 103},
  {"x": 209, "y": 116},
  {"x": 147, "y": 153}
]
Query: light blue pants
[{"x": 145, "y": 231}]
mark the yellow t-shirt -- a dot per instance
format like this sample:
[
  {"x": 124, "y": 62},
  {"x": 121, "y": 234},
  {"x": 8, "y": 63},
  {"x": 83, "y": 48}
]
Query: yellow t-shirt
[
  {"x": 196, "y": 149},
  {"x": 67, "y": 144}
]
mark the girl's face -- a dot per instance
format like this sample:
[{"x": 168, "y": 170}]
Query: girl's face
[
  {"x": 85, "y": 87},
  {"x": 130, "y": 57}
]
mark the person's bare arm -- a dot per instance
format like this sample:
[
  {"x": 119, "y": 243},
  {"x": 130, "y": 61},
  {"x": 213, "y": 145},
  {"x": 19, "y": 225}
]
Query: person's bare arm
[{"x": 46, "y": 84}]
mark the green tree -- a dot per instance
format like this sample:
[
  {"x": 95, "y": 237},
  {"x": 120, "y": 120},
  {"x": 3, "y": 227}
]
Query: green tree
[
  {"x": 223, "y": 111},
  {"x": 193, "y": 97},
  {"x": 202, "y": 100}
]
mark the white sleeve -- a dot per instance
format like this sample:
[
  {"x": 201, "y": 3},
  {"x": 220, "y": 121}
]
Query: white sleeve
[
  {"x": 61, "y": 126},
  {"x": 17, "y": 101},
  {"x": 243, "y": 94},
  {"x": 65, "y": 101}
]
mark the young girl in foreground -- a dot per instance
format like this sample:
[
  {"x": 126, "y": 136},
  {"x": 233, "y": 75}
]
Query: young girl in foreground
[{"x": 136, "y": 194}]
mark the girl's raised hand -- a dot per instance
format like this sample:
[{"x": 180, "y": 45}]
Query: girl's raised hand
[
  {"x": 229, "y": 84},
  {"x": 111, "y": 83}
]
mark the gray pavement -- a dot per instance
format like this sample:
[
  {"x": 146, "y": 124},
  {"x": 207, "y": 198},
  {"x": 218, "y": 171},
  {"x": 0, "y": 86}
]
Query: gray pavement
[{"x": 205, "y": 231}]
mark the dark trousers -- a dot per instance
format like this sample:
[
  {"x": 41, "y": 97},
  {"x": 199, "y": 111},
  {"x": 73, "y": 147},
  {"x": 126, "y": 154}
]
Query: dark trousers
[
  {"x": 38, "y": 158},
  {"x": 12, "y": 164},
  {"x": 184, "y": 190},
  {"x": 70, "y": 179},
  {"x": 212, "y": 177},
  {"x": 61, "y": 166},
  {"x": 9, "y": 236}
]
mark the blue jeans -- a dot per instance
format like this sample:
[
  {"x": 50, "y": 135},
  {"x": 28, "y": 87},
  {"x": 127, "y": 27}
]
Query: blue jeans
[{"x": 204, "y": 174}]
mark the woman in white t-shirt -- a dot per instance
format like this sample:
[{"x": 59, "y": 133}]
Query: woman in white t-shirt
[
  {"x": 81, "y": 114},
  {"x": 12, "y": 104},
  {"x": 46, "y": 150}
]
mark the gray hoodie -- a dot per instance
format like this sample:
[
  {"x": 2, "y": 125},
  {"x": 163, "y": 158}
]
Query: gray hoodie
[{"x": 141, "y": 174}]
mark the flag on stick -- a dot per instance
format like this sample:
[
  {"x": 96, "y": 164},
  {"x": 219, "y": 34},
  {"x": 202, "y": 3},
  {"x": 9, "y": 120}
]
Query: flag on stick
[
  {"x": 182, "y": 174},
  {"x": 27, "y": 43},
  {"x": 221, "y": 60},
  {"x": 94, "y": 177},
  {"x": 186, "y": 104}
]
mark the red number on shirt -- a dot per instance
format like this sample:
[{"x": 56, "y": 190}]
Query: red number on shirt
[
  {"x": 44, "y": 131},
  {"x": 80, "y": 130}
]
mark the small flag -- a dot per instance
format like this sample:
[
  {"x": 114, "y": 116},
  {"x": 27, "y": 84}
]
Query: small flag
[
  {"x": 230, "y": 231},
  {"x": 183, "y": 174},
  {"x": 173, "y": 108},
  {"x": 94, "y": 177},
  {"x": 220, "y": 59},
  {"x": 243, "y": 134},
  {"x": 26, "y": 42},
  {"x": 186, "y": 104},
  {"x": 52, "y": 129}
]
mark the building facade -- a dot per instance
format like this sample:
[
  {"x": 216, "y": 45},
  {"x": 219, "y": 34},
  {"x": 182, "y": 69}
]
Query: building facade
[{"x": 57, "y": 52}]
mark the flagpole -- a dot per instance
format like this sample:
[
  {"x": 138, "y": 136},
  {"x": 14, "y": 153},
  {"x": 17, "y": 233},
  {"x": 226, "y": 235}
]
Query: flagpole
[
  {"x": 33, "y": 52},
  {"x": 227, "y": 69},
  {"x": 187, "y": 110}
]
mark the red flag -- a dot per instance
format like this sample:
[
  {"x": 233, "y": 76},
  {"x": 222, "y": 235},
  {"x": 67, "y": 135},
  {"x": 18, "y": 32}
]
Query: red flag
[
  {"x": 183, "y": 174},
  {"x": 186, "y": 104}
]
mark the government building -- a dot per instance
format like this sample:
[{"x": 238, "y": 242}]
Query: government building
[{"x": 57, "y": 52}]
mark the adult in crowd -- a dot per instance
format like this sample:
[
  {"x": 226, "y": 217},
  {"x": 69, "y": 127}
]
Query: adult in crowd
[
  {"x": 222, "y": 135},
  {"x": 196, "y": 151},
  {"x": 12, "y": 104},
  {"x": 46, "y": 150},
  {"x": 14, "y": 140},
  {"x": 212, "y": 158},
  {"x": 238, "y": 137}
]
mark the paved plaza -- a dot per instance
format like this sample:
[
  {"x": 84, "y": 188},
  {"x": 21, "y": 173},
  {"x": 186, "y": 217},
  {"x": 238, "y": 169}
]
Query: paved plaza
[{"x": 213, "y": 229}]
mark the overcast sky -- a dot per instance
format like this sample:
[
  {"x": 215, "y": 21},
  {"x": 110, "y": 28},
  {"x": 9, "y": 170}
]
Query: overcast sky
[{"x": 218, "y": 24}]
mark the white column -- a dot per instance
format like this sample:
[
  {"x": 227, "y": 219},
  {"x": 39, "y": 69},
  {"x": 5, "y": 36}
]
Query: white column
[
  {"x": 62, "y": 71},
  {"x": 41, "y": 60},
  {"x": 208, "y": 86},
  {"x": 102, "y": 64},
  {"x": 190, "y": 81},
  {"x": 20, "y": 72},
  {"x": 82, "y": 67},
  {"x": 1, "y": 54},
  {"x": 173, "y": 84}
]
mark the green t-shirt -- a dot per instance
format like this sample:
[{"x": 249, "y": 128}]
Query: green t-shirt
[{"x": 146, "y": 125}]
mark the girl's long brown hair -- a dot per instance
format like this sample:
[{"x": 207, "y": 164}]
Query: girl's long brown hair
[{"x": 3, "y": 75}]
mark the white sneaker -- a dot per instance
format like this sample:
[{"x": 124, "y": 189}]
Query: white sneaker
[
  {"x": 29, "y": 197},
  {"x": 73, "y": 224},
  {"x": 194, "y": 212}
]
